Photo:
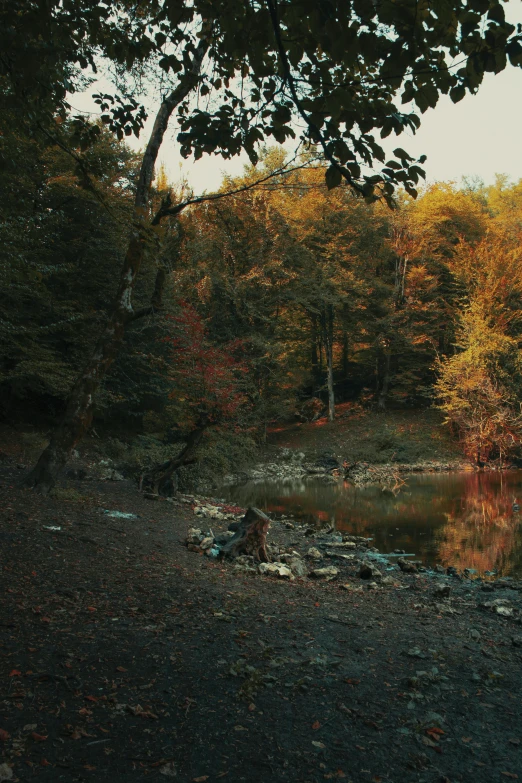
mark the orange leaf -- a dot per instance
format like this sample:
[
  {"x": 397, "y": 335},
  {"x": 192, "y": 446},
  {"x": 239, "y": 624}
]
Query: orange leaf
[
  {"x": 4, "y": 735},
  {"x": 316, "y": 725},
  {"x": 38, "y": 737},
  {"x": 201, "y": 779},
  {"x": 91, "y": 609},
  {"x": 15, "y": 673},
  {"x": 121, "y": 669},
  {"x": 45, "y": 763},
  {"x": 91, "y": 698}
]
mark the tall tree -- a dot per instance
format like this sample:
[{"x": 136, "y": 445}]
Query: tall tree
[{"x": 337, "y": 66}]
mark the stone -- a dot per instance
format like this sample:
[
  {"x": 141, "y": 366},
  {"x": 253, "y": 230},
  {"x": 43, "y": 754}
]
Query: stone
[
  {"x": 499, "y": 606},
  {"x": 372, "y": 586},
  {"x": 328, "y": 573},
  {"x": 440, "y": 569},
  {"x": 297, "y": 566},
  {"x": 369, "y": 571},
  {"x": 276, "y": 569},
  {"x": 194, "y": 535},
  {"x": 442, "y": 591},
  {"x": 406, "y": 567},
  {"x": 314, "y": 553},
  {"x": 351, "y": 588},
  {"x": 344, "y": 545},
  {"x": 223, "y": 537},
  {"x": 206, "y": 543},
  {"x": 389, "y": 580}
]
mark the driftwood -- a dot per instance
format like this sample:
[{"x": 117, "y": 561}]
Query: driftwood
[{"x": 250, "y": 536}]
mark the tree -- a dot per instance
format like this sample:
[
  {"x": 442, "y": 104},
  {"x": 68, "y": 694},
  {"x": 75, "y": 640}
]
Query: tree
[
  {"x": 337, "y": 66},
  {"x": 208, "y": 387}
]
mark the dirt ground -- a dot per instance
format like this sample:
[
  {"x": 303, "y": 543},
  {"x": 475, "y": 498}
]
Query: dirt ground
[{"x": 127, "y": 657}]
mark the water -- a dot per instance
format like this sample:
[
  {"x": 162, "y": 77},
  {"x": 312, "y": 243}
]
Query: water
[{"x": 460, "y": 519}]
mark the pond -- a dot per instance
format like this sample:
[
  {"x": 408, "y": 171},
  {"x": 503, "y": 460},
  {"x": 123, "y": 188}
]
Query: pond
[{"x": 461, "y": 519}]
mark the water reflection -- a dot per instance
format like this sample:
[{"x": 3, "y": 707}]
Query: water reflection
[{"x": 462, "y": 519}]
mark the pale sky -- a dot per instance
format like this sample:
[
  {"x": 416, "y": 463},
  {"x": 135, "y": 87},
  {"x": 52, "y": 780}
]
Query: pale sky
[{"x": 480, "y": 136}]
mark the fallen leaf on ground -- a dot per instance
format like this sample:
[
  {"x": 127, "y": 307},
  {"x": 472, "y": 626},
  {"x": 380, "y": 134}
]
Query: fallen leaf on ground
[
  {"x": 4, "y": 735},
  {"x": 316, "y": 725},
  {"x": 38, "y": 737}
]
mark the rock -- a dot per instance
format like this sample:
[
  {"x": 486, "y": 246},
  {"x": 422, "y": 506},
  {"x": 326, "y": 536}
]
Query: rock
[
  {"x": 351, "y": 588},
  {"x": 369, "y": 571},
  {"x": 297, "y": 566},
  {"x": 372, "y": 586},
  {"x": 442, "y": 591},
  {"x": 499, "y": 606},
  {"x": 399, "y": 551},
  {"x": 289, "y": 526},
  {"x": 406, "y": 566},
  {"x": 276, "y": 569},
  {"x": 344, "y": 544},
  {"x": 194, "y": 535},
  {"x": 389, "y": 580},
  {"x": 6, "y": 773},
  {"x": 222, "y": 538},
  {"x": 328, "y": 573},
  {"x": 452, "y": 571},
  {"x": 440, "y": 569},
  {"x": 206, "y": 543},
  {"x": 314, "y": 553}
]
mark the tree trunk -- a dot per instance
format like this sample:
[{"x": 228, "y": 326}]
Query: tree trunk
[
  {"x": 383, "y": 394},
  {"x": 250, "y": 537},
  {"x": 159, "y": 479},
  {"x": 79, "y": 411},
  {"x": 328, "y": 322}
]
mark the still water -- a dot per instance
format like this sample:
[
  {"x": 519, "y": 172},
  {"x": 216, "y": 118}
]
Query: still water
[{"x": 461, "y": 519}]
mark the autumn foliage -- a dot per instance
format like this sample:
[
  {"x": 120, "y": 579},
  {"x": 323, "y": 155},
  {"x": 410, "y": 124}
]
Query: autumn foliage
[{"x": 209, "y": 380}]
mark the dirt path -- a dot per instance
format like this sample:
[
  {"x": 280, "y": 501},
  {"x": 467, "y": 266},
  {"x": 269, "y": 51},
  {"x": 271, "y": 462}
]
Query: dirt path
[{"x": 125, "y": 657}]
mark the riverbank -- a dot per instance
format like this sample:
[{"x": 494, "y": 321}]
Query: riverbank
[
  {"x": 362, "y": 446},
  {"x": 129, "y": 656}
]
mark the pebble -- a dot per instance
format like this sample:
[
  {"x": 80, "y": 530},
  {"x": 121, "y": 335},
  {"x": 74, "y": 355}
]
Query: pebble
[{"x": 328, "y": 573}]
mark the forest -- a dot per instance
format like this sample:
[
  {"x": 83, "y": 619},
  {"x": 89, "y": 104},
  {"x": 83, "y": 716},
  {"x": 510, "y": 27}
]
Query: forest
[{"x": 264, "y": 307}]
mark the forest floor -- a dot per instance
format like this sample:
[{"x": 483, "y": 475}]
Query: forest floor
[
  {"x": 406, "y": 436},
  {"x": 126, "y": 657}
]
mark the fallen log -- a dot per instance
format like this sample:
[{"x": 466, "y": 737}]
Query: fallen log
[{"x": 250, "y": 537}]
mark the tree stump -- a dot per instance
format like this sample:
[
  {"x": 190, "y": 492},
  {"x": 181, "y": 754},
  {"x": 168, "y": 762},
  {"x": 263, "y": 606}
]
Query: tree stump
[{"x": 250, "y": 537}]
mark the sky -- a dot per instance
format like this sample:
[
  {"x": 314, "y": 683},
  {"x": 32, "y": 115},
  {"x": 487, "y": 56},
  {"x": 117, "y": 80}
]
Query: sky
[{"x": 478, "y": 137}]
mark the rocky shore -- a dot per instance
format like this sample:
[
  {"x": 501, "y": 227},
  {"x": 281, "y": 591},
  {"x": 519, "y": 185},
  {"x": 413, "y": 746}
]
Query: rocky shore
[{"x": 349, "y": 562}]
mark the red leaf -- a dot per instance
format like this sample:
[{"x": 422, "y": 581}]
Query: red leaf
[
  {"x": 45, "y": 763},
  {"x": 4, "y": 735},
  {"x": 316, "y": 725},
  {"x": 91, "y": 698},
  {"x": 15, "y": 673},
  {"x": 38, "y": 737}
]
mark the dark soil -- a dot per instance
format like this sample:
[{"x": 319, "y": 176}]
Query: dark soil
[{"x": 125, "y": 656}]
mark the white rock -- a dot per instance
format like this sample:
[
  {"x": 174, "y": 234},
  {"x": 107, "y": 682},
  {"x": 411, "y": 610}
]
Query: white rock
[{"x": 276, "y": 569}]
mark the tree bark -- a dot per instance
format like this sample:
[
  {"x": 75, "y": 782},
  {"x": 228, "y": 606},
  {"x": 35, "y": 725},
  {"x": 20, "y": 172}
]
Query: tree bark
[
  {"x": 159, "y": 479},
  {"x": 383, "y": 394},
  {"x": 79, "y": 410},
  {"x": 328, "y": 323},
  {"x": 250, "y": 537}
]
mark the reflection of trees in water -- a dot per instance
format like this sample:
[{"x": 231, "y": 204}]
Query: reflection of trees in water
[
  {"x": 483, "y": 533},
  {"x": 453, "y": 519}
]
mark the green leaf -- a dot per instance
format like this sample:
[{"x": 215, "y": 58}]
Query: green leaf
[
  {"x": 457, "y": 93},
  {"x": 333, "y": 177}
]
